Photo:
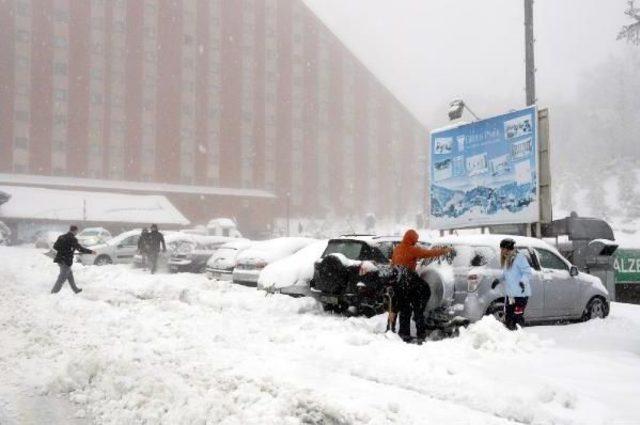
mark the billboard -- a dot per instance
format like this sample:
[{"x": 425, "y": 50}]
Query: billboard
[{"x": 486, "y": 172}]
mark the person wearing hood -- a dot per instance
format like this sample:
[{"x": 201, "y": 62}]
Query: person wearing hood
[
  {"x": 155, "y": 241},
  {"x": 516, "y": 274},
  {"x": 143, "y": 246},
  {"x": 412, "y": 293}
]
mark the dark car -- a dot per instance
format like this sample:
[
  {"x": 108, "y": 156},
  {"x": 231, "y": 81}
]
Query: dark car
[{"x": 341, "y": 282}]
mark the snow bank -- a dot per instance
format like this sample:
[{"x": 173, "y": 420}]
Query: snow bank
[
  {"x": 135, "y": 348},
  {"x": 294, "y": 269}
]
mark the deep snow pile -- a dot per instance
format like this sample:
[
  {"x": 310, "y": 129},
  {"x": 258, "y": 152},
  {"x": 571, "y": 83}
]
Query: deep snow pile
[{"x": 179, "y": 349}]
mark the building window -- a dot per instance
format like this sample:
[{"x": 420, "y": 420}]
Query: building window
[
  {"x": 60, "y": 68},
  {"x": 60, "y": 94},
  {"x": 96, "y": 73},
  {"x": 22, "y": 115},
  {"x": 59, "y": 42},
  {"x": 23, "y": 8},
  {"x": 22, "y": 61},
  {"x": 22, "y": 35},
  {"x": 21, "y": 142},
  {"x": 61, "y": 15}
]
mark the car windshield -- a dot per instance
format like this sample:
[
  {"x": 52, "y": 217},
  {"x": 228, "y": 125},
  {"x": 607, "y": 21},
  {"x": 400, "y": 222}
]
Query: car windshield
[
  {"x": 350, "y": 249},
  {"x": 89, "y": 233}
]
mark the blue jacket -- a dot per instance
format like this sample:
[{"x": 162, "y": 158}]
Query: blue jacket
[{"x": 520, "y": 272}]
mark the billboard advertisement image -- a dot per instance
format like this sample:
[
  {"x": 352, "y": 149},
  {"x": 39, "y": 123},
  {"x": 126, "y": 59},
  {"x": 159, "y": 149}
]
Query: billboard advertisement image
[{"x": 486, "y": 172}]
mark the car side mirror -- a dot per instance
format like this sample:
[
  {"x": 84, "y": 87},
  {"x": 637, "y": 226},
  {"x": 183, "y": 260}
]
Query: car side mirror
[
  {"x": 120, "y": 246},
  {"x": 573, "y": 271}
]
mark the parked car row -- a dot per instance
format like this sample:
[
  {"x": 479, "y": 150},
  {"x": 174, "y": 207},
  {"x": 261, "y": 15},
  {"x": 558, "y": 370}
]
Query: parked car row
[{"x": 350, "y": 273}]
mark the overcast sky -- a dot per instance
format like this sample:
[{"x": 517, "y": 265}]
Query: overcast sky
[{"x": 430, "y": 51}]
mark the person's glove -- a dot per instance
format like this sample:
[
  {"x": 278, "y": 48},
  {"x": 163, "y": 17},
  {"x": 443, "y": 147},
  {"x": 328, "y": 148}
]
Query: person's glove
[
  {"x": 522, "y": 287},
  {"x": 495, "y": 283}
]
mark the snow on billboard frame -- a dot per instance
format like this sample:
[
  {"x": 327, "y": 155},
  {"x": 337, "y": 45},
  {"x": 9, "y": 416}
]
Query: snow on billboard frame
[{"x": 486, "y": 173}]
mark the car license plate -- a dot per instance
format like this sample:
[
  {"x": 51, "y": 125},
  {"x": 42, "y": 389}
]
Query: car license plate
[{"x": 328, "y": 300}]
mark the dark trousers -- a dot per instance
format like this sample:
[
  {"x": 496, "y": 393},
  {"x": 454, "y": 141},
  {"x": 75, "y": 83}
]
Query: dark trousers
[
  {"x": 514, "y": 313},
  {"x": 412, "y": 299},
  {"x": 153, "y": 261},
  {"x": 65, "y": 275}
]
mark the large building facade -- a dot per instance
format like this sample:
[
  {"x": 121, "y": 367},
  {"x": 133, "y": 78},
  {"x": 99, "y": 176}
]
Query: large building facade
[{"x": 245, "y": 94}]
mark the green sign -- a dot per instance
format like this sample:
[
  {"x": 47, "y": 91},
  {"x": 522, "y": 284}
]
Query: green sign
[{"x": 627, "y": 265}]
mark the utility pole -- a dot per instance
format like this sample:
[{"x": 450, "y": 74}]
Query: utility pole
[{"x": 529, "y": 58}]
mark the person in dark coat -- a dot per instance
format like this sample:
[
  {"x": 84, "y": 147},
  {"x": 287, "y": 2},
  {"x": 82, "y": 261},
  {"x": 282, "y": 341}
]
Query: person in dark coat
[
  {"x": 155, "y": 241},
  {"x": 143, "y": 246},
  {"x": 66, "y": 245},
  {"x": 412, "y": 293}
]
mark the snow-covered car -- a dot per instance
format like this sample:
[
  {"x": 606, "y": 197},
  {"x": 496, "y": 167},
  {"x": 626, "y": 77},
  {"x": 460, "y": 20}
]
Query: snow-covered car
[
  {"x": 291, "y": 275},
  {"x": 223, "y": 227},
  {"x": 337, "y": 282},
  {"x": 221, "y": 264},
  {"x": 93, "y": 236},
  {"x": 190, "y": 252},
  {"x": 462, "y": 287},
  {"x": 118, "y": 250},
  {"x": 251, "y": 262},
  {"x": 46, "y": 239}
]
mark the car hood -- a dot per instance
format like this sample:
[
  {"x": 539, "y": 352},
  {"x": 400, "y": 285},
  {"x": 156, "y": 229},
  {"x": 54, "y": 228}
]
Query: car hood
[
  {"x": 594, "y": 281},
  {"x": 101, "y": 248}
]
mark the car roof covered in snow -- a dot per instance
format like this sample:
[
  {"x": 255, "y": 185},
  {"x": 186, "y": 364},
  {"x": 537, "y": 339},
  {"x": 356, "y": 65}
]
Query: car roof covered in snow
[
  {"x": 372, "y": 240},
  {"x": 492, "y": 240},
  {"x": 273, "y": 249}
]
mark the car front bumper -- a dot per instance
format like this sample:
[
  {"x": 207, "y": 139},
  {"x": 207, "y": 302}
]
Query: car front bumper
[
  {"x": 246, "y": 277},
  {"x": 220, "y": 274}
]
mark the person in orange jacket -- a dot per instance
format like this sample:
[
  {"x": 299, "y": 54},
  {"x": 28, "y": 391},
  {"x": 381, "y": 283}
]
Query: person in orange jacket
[{"x": 412, "y": 294}]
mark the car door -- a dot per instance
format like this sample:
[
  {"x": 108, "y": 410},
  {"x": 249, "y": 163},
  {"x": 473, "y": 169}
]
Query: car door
[
  {"x": 126, "y": 249},
  {"x": 535, "y": 305},
  {"x": 560, "y": 289}
]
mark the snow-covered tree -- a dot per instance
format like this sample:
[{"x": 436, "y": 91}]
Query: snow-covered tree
[
  {"x": 631, "y": 32},
  {"x": 628, "y": 196}
]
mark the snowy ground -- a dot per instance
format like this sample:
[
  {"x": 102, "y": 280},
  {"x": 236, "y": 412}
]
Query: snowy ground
[{"x": 179, "y": 349}]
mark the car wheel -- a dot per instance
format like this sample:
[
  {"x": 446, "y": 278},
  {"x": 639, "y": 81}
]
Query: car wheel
[
  {"x": 596, "y": 309},
  {"x": 103, "y": 260},
  {"x": 327, "y": 307},
  {"x": 496, "y": 309}
]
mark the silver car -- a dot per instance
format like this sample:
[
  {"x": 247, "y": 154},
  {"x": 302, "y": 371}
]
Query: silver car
[
  {"x": 462, "y": 286},
  {"x": 118, "y": 250}
]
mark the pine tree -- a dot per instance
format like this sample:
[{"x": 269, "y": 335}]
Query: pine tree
[{"x": 631, "y": 32}]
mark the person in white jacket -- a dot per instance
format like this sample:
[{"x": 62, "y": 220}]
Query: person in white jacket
[{"x": 516, "y": 274}]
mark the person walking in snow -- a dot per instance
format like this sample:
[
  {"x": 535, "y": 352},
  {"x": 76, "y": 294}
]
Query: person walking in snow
[
  {"x": 516, "y": 274},
  {"x": 65, "y": 247},
  {"x": 155, "y": 241},
  {"x": 412, "y": 293},
  {"x": 143, "y": 246}
]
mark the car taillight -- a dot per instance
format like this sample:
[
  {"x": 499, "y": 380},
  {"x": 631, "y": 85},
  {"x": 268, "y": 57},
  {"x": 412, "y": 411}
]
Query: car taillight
[
  {"x": 260, "y": 264},
  {"x": 473, "y": 280}
]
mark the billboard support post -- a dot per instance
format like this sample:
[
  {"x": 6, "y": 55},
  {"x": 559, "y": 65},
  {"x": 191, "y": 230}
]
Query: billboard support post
[{"x": 544, "y": 155}]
